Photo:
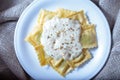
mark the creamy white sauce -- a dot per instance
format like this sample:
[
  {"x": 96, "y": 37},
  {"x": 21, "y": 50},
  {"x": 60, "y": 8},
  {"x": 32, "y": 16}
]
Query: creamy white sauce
[{"x": 60, "y": 38}]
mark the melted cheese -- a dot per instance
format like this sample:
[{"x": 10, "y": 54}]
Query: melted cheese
[{"x": 60, "y": 38}]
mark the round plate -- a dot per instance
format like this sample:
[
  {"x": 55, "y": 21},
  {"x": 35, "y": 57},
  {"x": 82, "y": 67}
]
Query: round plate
[{"x": 26, "y": 53}]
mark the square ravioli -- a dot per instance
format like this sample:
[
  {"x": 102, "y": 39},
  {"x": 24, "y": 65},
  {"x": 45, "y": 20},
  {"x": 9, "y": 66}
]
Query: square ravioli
[{"x": 87, "y": 39}]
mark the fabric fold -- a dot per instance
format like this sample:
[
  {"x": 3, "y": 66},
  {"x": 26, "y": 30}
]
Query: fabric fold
[{"x": 10, "y": 13}]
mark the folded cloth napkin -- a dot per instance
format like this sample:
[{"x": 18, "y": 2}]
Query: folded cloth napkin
[{"x": 10, "y": 11}]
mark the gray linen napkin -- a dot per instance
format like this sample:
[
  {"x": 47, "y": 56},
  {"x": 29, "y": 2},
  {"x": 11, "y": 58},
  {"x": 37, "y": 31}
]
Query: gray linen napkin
[{"x": 10, "y": 11}]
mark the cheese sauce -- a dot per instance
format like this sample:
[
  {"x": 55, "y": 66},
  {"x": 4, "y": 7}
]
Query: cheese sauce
[{"x": 60, "y": 38}]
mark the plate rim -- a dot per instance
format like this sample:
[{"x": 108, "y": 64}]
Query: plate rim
[{"x": 32, "y": 4}]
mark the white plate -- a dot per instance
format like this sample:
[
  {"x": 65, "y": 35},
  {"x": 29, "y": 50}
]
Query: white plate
[{"x": 26, "y": 53}]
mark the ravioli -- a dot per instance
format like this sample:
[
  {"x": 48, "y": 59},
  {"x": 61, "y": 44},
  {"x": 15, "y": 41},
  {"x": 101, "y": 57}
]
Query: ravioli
[
  {"x": 87, "y": 38},
  {"x": 80, "y": 16},
  {"x": 63, "y": 13}
]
